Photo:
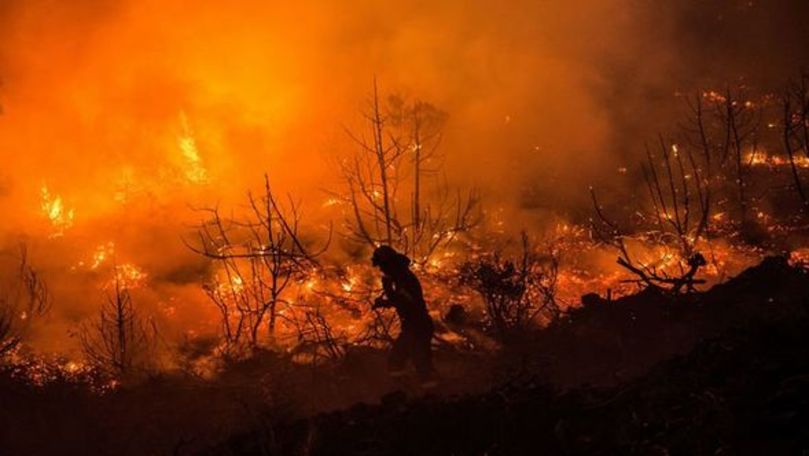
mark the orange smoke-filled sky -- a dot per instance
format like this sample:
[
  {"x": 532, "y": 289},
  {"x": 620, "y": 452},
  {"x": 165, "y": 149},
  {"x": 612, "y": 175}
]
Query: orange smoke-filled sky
[{"x": 93, "y": 90}]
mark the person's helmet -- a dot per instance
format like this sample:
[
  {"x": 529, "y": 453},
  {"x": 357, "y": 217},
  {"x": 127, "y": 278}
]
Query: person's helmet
[{"x": 385, "y": 255}]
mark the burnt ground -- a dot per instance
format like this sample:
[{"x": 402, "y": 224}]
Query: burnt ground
[
  {"x": 739, "y": 386},
  {"x": 720, "y": 372}
]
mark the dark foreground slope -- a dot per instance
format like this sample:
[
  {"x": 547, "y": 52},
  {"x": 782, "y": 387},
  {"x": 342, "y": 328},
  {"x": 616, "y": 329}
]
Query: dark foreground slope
[{"x": 741, "y": 388}]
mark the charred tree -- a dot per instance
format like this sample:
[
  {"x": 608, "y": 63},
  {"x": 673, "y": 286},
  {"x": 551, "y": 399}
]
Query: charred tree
[
  {"x": 24, "y": 298},
  {"x": 118, "y": 341},
  {"x": 676, "y": 216},
  {"x": 739, "y": 120},
  {"x": 255, "y": 260},
  {"x": 403, "y": 158},
  {"x": 801, "y": 93},
  {"x": 795, "y": 103},
  {"x": 789, "y": 148},
  {"x": 722, "y": 131}
]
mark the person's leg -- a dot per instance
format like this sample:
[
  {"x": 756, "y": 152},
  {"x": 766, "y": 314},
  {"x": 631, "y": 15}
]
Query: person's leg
[
  {"x": 399, "y": 354},
  {"x": 423, "y": 356}
]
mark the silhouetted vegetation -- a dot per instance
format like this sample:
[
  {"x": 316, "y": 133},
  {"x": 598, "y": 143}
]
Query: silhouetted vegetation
[
  {"x": 23, "y": 298},
  {"x": 119, "y": 341},
  {"x": 517, "y": 291},
  {"x": 258, "y": 259},
  {"x": 395, "y": 185},
  {"x": 738, "y": 387},
  {"x": 733, "y": 381}
]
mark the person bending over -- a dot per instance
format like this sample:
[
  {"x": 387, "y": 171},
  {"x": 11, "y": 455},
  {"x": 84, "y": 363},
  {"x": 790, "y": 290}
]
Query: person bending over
[{"x": 402, "y": 291}]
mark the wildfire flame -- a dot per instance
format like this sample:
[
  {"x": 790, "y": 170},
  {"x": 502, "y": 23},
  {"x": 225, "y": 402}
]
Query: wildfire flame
[
  {"x": 60, "y": 217},
  {"x": 195, "y": 172},
  {"x": 761, "y": 158},
  {"x": 101, "y": 254},
  {"x": 128, "y": 276}
]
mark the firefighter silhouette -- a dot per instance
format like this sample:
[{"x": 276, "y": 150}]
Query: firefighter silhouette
[{"x": 403, "y": 292}]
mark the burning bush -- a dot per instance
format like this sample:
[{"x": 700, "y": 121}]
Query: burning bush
[{"x": 516, "y": 292}]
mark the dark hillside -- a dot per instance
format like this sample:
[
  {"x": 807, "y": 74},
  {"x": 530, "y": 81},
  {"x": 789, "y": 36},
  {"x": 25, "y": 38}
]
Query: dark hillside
[{"x": 742, "y": 389}]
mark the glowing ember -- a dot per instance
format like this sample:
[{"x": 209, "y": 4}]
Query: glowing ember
[
  {"x": 128, "y": 276},
  {"x": 799, "y": 257},
  {"x": 714, "y": 97},
  {"x": 236, "y": 284},
  {"x": 347, "y": 285}
]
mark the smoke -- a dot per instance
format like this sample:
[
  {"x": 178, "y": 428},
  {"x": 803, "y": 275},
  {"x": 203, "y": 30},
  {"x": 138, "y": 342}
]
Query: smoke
[
  {"x": 134, "y": 112},
  {"x": 97, "y": 86}
]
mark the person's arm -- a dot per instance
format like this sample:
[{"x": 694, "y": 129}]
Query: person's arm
[
  {"x": 388, "y": 287},
  {"x": 388, "y": 296},
  {"x": 381, "y": 302},
  {"x": 399, "y": 296}
]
